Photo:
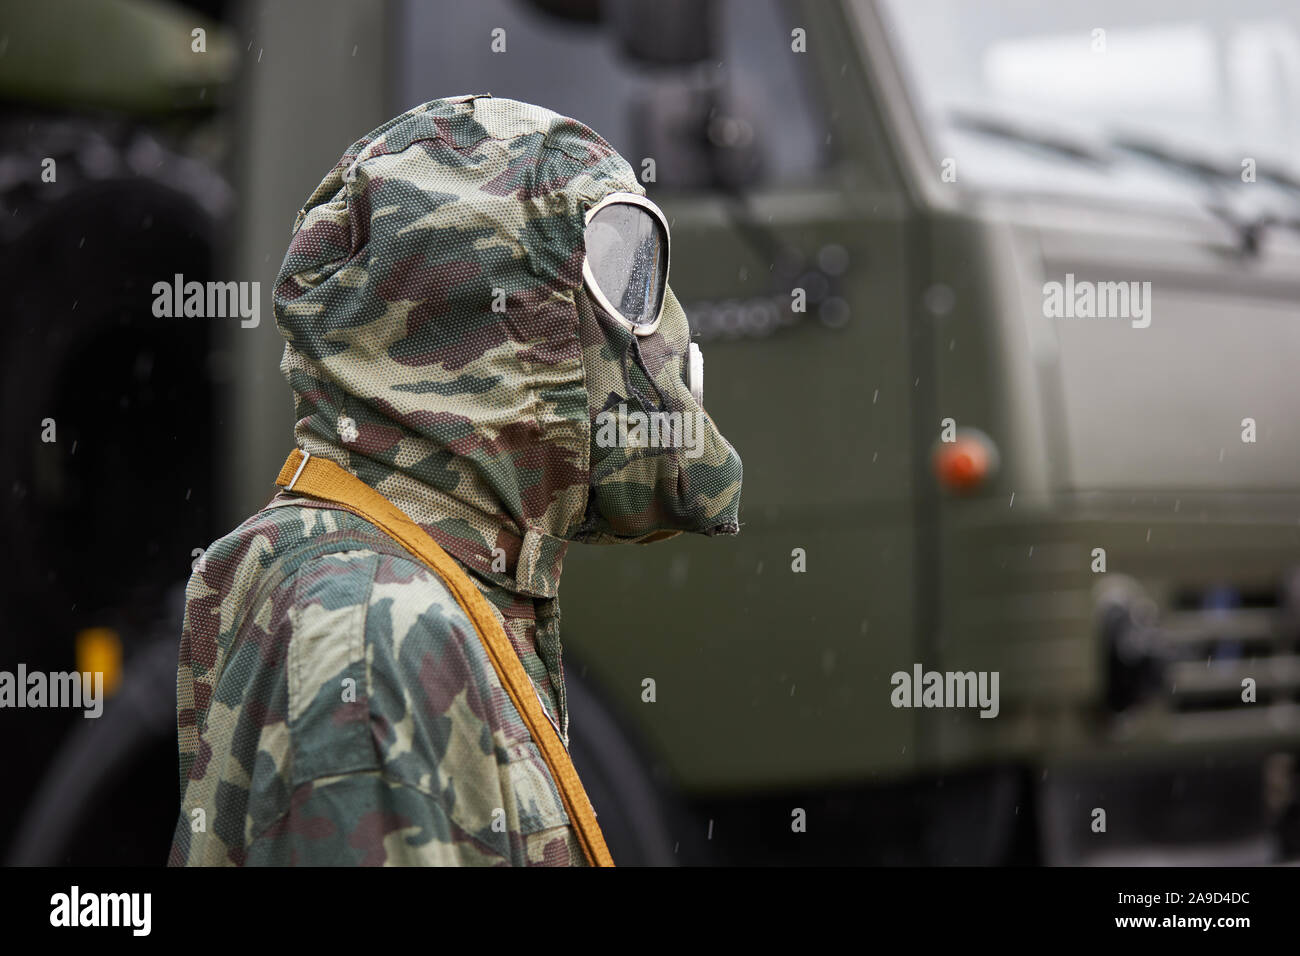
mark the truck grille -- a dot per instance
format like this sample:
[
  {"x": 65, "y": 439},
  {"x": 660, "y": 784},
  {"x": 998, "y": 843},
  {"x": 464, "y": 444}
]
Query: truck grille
[
  {"x": 1214, "y": 639},
  {"x": 1203, "y": 648}
]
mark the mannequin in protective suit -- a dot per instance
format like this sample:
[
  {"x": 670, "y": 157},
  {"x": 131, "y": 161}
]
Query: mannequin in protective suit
[{"x": 475, "y": 304}]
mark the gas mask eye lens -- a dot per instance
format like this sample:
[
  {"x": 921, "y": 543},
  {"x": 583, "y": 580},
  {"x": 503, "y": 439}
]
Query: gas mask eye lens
[{"x": 626, "y": 268}]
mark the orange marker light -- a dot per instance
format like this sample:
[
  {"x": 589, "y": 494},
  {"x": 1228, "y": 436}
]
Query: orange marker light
[
  {"x": 965, "y": 463},
  {"x": 100, "y": 649}
]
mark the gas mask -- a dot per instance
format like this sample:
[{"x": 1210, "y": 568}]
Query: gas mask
[
  {"x": 479, "y": 325},
  {"x": 659, "y": 465}
]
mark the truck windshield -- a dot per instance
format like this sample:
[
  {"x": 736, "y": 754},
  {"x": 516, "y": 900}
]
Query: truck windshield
[{"x": 1148, "y": 98}]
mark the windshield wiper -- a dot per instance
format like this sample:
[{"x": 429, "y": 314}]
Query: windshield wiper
[
  {"x": 1188, "y": 162},
  {"x": 1216, "y": 178},
  {"x": 1004, "y": 128}
]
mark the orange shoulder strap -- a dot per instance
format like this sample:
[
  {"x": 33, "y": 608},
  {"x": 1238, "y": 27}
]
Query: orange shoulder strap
[{"x": 321, "y": 478}]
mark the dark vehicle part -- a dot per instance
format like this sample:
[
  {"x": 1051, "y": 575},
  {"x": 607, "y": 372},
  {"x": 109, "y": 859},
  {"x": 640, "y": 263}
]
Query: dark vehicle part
[
  {"x": 109, "y": 408},
  {"x": 642, "y": 819},
  {"x": 109, "y": 794}
]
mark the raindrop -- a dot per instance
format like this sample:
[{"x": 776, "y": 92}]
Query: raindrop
[
  {"x": 939, "y": 299},
  {"x": 833, "y": 259},
  {"x": 834, "y": 313}
]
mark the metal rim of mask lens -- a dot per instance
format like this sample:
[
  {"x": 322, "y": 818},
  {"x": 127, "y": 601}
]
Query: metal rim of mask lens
[{"x": 588, "y": 274}]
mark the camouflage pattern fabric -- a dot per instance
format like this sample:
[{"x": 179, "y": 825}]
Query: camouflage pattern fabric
[{"x": 335, "y": 705}]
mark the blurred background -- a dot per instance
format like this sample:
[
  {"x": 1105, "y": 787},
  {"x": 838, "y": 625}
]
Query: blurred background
[{"x": 867, "y": 199}]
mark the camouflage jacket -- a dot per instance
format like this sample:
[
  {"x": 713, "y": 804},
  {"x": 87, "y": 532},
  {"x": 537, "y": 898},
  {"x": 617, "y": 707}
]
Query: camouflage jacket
[
  {"x": 334, "y": 702},
  {"x": 351, "y": 682}
]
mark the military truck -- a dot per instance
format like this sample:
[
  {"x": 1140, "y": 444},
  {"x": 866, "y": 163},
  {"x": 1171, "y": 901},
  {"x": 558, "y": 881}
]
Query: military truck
[
  {"x": 868, "y": 201},
  {"x": 998, "y": 303}
]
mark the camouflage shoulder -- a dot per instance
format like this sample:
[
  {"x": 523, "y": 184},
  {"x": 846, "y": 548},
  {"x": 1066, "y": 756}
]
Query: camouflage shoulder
[
  {"x": 445, "y": 726},
  {"x": 359, "y": 720}
]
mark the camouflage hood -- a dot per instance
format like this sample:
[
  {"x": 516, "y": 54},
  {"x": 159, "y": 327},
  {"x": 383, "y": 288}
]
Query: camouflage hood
[{"x": 443, "y": 347}]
